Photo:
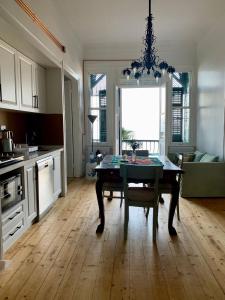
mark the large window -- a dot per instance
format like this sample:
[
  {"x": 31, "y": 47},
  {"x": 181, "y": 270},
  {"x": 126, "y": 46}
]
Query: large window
[
  {"x": 181, "y": 107},
  {"x": 98, "y": 106}
]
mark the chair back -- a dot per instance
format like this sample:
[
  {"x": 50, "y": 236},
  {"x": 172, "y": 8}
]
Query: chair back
[
  {"x": 142, "y": 153},
  {"x": 138, "y": 152},
  {"x": 141, "y": 173}
]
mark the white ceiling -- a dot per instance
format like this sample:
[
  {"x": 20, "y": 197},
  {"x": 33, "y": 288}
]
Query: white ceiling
[{"x": 123, "y": 21}]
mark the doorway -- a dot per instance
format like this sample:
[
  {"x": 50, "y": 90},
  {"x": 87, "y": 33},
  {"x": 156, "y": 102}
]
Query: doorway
[
  {"x": 142, "y": 118},
  {"x": 73, "y": 131}
]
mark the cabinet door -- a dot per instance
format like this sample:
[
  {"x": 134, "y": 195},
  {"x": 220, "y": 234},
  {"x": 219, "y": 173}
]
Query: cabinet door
[
  {"x": 57, "y": 175},
  {"x": 26, "y": 83},
  {"x": 41, "y": 88},
  {"x": 8, "y": 95},
  {"x": 31, "y": 193}
]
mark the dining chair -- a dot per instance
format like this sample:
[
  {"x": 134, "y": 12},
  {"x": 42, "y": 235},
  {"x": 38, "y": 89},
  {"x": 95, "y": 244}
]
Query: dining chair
[
  {"x": 141, "y": 196},
  {"x": 117, "y": 186},
  {"x": 112, "y": 187}
]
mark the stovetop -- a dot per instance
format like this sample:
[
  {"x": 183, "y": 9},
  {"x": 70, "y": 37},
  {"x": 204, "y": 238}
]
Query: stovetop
[{"x": 10, "y": 158}]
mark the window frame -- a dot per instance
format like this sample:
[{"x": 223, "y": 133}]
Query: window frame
[
  {"x": 90, "y": 109},
  {"x": 190, "y": 107}
]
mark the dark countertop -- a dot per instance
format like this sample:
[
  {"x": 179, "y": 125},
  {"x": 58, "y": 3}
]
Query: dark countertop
[{"x": 32, "y": 158}]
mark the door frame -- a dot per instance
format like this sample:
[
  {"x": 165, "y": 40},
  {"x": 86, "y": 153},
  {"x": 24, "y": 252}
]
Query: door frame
[{"x": 118, "y": 107}]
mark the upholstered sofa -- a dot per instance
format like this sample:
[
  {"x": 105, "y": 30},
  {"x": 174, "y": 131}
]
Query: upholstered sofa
[{"x": 204, "y": 176}]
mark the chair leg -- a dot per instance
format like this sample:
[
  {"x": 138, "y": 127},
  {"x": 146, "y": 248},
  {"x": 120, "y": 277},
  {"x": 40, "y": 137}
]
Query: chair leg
[
  {"x": 110, "y": 196},
  {"x": 126, "y": 219},
  {"x": 147, "y": 213},
  {"x": 161, "y": 200},
  {"x": 178, "y": 211},
  {"x": 155, "y": 220},
  {"x": 121, "y": 199}
]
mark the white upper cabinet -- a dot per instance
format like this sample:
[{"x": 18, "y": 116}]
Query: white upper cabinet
[
  {"x": 26, "y": 84},
  {"x": 40, "y": 83},
  {"x": 8, "y": 74},
  {"x": 22, "y": 81}
]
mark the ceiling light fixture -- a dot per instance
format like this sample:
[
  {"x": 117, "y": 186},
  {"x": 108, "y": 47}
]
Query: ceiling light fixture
[{"x": 150, "y": 62}]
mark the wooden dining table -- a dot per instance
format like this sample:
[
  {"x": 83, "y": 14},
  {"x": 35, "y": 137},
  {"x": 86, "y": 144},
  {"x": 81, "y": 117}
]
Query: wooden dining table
[{"x": 108, "y": 170}]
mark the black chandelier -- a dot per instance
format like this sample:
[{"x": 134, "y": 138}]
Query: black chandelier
[{"x": 149, "y": 63}]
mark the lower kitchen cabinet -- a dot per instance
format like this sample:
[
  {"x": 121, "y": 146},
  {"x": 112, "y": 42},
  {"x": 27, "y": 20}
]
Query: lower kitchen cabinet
[
  {"x": 13, "y": 223},
  {"x": 31, "y": 193},
  {"x": 57, "y": 173}
]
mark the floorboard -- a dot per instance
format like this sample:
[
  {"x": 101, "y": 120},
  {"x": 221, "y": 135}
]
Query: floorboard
[{"x": 62, "y": 258}]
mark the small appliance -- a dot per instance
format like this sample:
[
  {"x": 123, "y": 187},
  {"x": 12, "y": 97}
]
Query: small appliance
[
  {"x": 6, "y": 144},
  {"x": 11, "y": 190}
]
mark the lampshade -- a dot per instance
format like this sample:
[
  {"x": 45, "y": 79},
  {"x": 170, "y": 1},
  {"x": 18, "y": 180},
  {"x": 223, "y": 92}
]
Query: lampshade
[{"x": 92, "y": 118}]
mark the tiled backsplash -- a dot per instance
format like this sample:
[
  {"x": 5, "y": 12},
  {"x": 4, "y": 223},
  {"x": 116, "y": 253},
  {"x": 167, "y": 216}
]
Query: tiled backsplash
[{"x": 39, "y": 129}]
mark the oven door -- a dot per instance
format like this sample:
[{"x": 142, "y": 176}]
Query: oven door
[{"x": 10, "y": 191}]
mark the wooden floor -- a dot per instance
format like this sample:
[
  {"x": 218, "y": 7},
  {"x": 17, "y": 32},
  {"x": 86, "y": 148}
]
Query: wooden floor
[{"x": 62, "y": 258}]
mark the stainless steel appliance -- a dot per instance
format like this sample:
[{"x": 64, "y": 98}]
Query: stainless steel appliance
[
  {"x": 10, "y": 158},
  {"x": 11, "y": 190},
  {"x": 6, "y": 141},
  {"x": 44, "y": 185}
]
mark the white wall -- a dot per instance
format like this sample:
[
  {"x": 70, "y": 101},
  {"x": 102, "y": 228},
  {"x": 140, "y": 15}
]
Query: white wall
[
  {"x": 211, "y": 90},
  {"x": 48, "y": 13},
  {"x": 17, "y": 29},
  {"x": 177, "y": 54}
]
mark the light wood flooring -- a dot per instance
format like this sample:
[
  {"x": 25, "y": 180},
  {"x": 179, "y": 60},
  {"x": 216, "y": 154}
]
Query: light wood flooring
[{"x": 62, "y": 258}]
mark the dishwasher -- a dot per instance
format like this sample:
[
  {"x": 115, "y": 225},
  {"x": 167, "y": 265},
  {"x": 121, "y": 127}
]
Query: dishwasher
[{"x": 45, "y": 183}]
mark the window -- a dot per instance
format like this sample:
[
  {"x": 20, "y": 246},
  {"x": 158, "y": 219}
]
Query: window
[
  {"x": 98, "y": 106},
  {"x": 181, "y": 107}
]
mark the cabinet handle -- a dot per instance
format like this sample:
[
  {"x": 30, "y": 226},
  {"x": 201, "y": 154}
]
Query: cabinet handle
[
  {"x": 37, "y": 101},
  {"x": 17, "y": 213},
  {"x": 17, "y": 228},
  {"x": 53, "y": 165},
  {"x": 33, "y": 102}
]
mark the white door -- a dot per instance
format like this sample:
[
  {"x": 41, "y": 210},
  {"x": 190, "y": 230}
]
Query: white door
[
  {"x": 69, "y": 128},
  {"x": 117, "y": 139},
  {"x": 8, "y": 95}
]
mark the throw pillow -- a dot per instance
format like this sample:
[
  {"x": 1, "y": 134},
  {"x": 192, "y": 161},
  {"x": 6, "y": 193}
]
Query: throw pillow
[
  {"x": 209, "y": 158},
  {"x": 198, "y": 155}
]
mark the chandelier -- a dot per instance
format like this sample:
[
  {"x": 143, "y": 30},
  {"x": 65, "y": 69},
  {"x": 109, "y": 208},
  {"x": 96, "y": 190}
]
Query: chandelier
[{"x": 150, "y": 62}]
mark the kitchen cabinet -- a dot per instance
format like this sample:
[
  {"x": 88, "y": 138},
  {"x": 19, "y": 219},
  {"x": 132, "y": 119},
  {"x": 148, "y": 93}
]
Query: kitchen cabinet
[
  {"x": 13, "y": 224},
  {"x": 27, "y": 84},
  {"x": 8, "y": 75},
  {"x": 22, "y": 81},
  {"x": 57, "y": 173},
  {"x": 31, "y": 194},
  {"x": 32, "y": 85},
  {"x": 40, "y": 87}
]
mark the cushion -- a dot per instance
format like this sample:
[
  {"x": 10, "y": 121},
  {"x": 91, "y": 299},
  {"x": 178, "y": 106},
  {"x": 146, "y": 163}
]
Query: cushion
[
  {"x": 209, "y": 158},
  {"x": 198, "y": 155},
  {"x": 187, "y": 157}
]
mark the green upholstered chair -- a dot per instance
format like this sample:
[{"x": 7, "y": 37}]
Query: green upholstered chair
[{"x": 141, "y": 196}]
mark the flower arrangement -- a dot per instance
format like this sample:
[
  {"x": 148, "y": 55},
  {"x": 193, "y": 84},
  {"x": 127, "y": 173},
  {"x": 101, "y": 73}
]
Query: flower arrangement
[{"x": 135, "y": 145}]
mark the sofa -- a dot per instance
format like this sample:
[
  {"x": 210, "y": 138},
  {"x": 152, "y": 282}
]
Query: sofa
[{"x": 204, "y": 176}]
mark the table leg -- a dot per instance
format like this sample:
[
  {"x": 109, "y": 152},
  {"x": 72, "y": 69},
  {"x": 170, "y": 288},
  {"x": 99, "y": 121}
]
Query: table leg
[
  {"x": 173, "y": 205},
  {"x": 98, "y": 188}
]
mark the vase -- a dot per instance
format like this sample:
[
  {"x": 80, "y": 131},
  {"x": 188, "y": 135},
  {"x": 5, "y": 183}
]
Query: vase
[{"x": 133, "y": 156}]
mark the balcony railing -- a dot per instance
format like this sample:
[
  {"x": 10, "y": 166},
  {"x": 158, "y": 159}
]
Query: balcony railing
[{"x": 151, "y": 145}]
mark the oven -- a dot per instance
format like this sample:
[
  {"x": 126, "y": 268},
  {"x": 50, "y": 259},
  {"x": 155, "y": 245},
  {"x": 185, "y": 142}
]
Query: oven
[{"x": 11, "y": 190}]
